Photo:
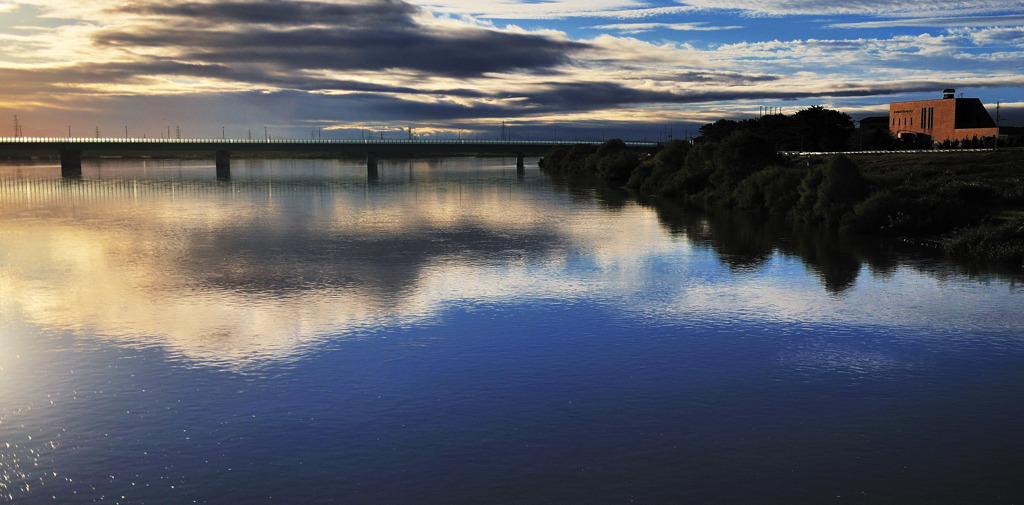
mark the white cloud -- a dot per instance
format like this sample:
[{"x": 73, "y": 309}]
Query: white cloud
[
  {"x": 554, "y": 9},
  {"x": 862, "y": 7},
  {"x": 638, "y": 52},
  {"x": 646, "y": 27},
  {"x": 1010, "y": 35},
  {"x": 512, "y": 9},
  {"x": 956, "y": 21},
  {"x": 842, "y": 53}
]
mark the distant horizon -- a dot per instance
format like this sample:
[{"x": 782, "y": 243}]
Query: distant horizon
[
  {"x": 581, "y": 134},
  {"x": 643, "y": 70}
]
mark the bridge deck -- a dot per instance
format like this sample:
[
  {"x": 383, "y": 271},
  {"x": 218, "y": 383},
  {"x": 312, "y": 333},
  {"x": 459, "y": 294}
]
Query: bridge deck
[
  {"x": 71, "y": 149},
  {"x": 293, "y": 145}
]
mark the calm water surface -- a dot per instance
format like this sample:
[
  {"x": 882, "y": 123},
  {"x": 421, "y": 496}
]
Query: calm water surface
[{"x": 456, "y": 333}]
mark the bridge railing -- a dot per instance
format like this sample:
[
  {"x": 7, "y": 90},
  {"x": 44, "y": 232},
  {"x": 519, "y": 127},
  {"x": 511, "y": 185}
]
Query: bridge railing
[{"x": 223, "y": 141}]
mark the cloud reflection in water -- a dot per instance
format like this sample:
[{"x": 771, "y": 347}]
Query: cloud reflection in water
[
  {"x": 239, "y": 274},
  {"x": 289, "y": 255}
]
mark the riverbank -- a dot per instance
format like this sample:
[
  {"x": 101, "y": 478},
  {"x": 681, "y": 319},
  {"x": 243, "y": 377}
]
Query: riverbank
[{"x": 968, "y": 205}]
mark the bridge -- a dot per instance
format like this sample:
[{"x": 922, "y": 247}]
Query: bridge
[{"x": 71, "y": 149}]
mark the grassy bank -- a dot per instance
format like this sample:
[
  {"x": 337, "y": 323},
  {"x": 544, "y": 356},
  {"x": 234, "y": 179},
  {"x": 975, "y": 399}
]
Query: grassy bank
[{"x": 970, "y": 205}]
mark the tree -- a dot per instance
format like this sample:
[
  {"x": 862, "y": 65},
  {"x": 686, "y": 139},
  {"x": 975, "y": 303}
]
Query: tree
[
  {"x": 829, "y": 191},
  {"x": 822, "y": 129},
  {"x": 719, "y": 130},
  {"x": 813, "y": 129},
  {"x": 739, "y": 156}
]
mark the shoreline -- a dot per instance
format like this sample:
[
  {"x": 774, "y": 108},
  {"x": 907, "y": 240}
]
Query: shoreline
[{"x": 967, "y": 204}]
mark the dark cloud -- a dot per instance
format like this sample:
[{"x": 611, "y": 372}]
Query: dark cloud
[
  {"x": 588, "y": 95},
  {"x": 375, "y": 36},
  {"x": 297, "y": 259},
  {"x": 281, "y": 13},
  {"x": 60, "y": 80},
  {"x": 372, "y": 107},
  {"x": 369, "y": 103}
]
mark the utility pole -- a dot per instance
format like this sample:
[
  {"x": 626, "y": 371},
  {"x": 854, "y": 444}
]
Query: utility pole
[
  {"x": 17, "y": 127},
  {"x": 999, "y": 119}
]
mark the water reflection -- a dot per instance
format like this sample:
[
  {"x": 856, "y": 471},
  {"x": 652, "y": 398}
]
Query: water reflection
[
  {"x": 748, "y": 242},
  {"x": 288, "y": 254},
  {"x": 236, "y": 273},
  {"x": 745, "y": 242},
  {"x": 456, "y": 322}
]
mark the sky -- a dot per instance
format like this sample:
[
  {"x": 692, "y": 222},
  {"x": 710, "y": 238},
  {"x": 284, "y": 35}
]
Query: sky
[{"x": 518, "y": 69}]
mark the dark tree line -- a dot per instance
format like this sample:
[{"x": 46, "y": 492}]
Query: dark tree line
[
  {"x": 739, "y": 165},
  {"x": 812, "y": 129}
]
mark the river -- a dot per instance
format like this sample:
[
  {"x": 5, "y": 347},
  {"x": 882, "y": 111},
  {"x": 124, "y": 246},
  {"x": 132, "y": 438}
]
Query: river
[{"x": 456, "y": 332}]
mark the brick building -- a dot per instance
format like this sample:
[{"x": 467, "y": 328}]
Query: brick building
[{"x": 948, "y": 118}]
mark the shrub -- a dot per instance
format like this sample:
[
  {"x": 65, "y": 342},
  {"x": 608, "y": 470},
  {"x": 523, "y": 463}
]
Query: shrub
[
  {"x": 829, "y": 191},
  {"x": 772, "y": 190},
  {"x": 739, "y": 156},
  {"x": 616, "y": 167},
  {"x": 1000, "y": 242},
  {"x": 879, "y": 213},
  {"x": 693, "y": 177},
  {"x": 650, "y": 175},
  {"x": 641, "y": 173}
]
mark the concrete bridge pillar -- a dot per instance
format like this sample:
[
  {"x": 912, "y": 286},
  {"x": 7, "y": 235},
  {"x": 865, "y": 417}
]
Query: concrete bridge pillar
[
  {"x": 520, "y": 164},
  {"x": 223, "y": 165},
  {"x": 70, "y": 163}
]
